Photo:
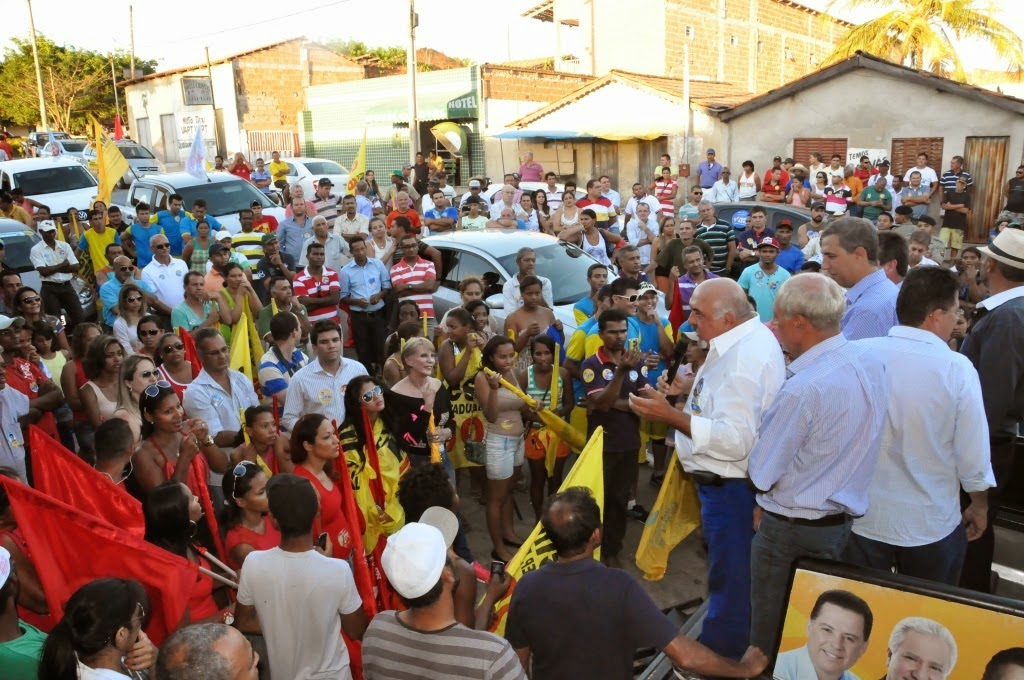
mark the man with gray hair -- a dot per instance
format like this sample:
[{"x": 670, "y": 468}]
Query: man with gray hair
[
  {"x": 526, "y": 260},
  {"x": 207, "y": 651},
  {"x": 817, "y": 445},
  {"x": 714, "y": 435},
  {"x": 506, "y": 198},
  {"x": 849, "y": 250},
  {"x": 920, "y": 648}
]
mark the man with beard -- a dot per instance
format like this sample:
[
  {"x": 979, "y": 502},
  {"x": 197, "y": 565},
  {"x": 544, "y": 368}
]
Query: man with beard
[{"x": 809, "y": 231}]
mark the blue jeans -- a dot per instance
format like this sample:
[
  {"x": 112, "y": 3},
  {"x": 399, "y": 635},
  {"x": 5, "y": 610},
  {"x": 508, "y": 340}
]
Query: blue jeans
[
  {"x": 727, "y": 514},
  {"x": 777, "y": 545},
  {"x": 940, "y": 561}
]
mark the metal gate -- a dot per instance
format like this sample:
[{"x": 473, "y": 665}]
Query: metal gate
[
  {"x": 985, "y": 158},
  {"x": 262, "y": 143}
]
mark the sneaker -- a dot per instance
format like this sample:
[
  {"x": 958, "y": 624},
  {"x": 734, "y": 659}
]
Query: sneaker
[
  {"x": 639, "y": 513},
  {"x": 483, "y": 574}
]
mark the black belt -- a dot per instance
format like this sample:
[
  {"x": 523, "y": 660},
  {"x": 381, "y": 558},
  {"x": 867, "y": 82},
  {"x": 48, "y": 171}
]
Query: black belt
[
  {"x": 711, "y": 479},
  {"x": 826, "y": 521},
  {"x": 376, "y": 311},
  {"x": 57, "y": 283}
]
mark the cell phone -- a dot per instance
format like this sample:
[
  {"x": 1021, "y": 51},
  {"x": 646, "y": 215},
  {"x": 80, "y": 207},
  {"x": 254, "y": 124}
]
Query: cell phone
[
  {"x": 321, "y": 541},
  {"x": 497, "y": 569}
]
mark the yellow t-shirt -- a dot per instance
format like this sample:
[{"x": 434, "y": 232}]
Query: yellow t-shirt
[
  {"x": 278, "y": 170},
  {"x": 362, "y": 474},
  {"x": 97, "y": 244}
]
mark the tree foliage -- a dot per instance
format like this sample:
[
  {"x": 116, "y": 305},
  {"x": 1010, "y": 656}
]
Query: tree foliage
[
  {"x": 77, "y": 84},
  {"x": 926, "y": 34},
  {"x": 388, "y": 58}
]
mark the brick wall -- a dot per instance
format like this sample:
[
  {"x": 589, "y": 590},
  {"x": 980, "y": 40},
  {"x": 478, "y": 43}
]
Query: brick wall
[
  {"x": 754, "y": 35},
  {"x": 270, "y": 84},
  {"x": 528, "y": 85}
]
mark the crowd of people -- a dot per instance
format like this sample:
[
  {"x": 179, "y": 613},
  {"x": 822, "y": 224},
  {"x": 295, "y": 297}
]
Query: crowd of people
[{"x": 847, "y": 388}]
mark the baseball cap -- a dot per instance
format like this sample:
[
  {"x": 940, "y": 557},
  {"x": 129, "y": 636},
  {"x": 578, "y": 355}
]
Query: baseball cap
[
  {"x": 5, "y": 566},
  {"x": 407, "y": 166},
  {"x": 221, "y": 235},
  {"x": 784, "y": 223},
  {"x": 413, "y": 559},
  {"x": 218, "y": 248},
  {"x": 770, "y": 242},
  {"x": 777, "y": 158},
  {"x": 8, "y": 321},
  {"x": 325, "y": 182},
  {"x": 711, "y": 151},
  {"x": 255, "y": 204},
  {"x": 397, "y": 173},
  {"x": 46, "y": 225},
  {"x": 817, "y": 205},
  {"x": 791, "y": 161},
  {"x": 474, "y": 184},
  {"x": 443, "y": 520},
  {"x": 647, "y": 287},
  {"x": 687, "y": 330},
  {"x": 268, "y": 238},
  {"x": 516, "y": 175}
]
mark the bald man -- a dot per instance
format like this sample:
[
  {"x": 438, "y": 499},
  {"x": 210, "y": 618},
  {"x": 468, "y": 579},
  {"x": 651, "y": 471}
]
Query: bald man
[
  {"x": 124, "y": 272},
  {"x": 714, "y": 435},
  {"x": 211, "y": 651}
]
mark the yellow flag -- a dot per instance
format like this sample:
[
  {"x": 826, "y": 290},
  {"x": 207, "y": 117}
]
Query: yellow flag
[
  {"x": 246, "y": 349},
  {"x": 110, "y": 164},
  {"x": 537, "y": 551},
  {"x": 675, "y": 515},
  {"x": 358, "y": 169}
]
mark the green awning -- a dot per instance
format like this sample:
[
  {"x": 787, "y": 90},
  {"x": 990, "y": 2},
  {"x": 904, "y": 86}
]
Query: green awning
[{"x": 395, "y": 109}]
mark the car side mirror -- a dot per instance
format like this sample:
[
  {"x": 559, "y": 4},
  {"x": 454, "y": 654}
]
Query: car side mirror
[{"x": 496, "y": 301}]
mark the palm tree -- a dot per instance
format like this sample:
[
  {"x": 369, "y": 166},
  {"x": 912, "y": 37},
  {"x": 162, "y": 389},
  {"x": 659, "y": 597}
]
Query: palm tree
[{"x": 925, "y": 34}]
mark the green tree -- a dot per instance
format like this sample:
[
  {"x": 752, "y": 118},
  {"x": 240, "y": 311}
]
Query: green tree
[
  {"x": 926, "y": 34},
  {"x": 77, "y": 84}
]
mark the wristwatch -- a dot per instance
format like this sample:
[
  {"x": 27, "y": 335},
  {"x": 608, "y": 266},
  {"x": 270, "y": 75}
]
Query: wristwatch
[
  {"x": 208, "y": 441},
  {"x": 229, "y": 618}
]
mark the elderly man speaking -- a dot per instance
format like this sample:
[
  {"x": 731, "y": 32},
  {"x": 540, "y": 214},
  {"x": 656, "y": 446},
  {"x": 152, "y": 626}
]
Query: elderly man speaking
[{"x": 715, "y": 433}]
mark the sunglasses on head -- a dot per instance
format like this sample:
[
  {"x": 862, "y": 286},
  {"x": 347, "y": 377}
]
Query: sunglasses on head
[
  {"x": 237, "y": 473},
  {"x": 369, "y": 394},
  {"x": 154, "y": 389},
  {"x": 176, "y": 347},
  {"x": 149, "y": 333}
]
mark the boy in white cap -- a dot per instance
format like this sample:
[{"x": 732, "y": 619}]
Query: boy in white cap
[{"x": 426, "y": 641}]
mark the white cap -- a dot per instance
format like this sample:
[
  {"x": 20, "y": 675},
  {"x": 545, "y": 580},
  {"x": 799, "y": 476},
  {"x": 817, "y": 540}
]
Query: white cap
[
  {"x": 6, "y": 321},
  {"x": 442, "y": 519},
  {"x": 413, "y": 559},
  {"x": 5, "y": 566},
  {"x": 46, "y": 225},
  {"x": 221, "y": 235}
]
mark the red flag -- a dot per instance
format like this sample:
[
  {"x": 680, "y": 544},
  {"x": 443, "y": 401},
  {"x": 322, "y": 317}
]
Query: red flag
[
  {"x": 191, "y": 353},
  {"x": 118, "y": 130},
  {"x": 62, "y": 475},
  {"x": 72, "y": 548},
  {"x": 676, "y": 316},
  {"x": 354, "y": 519}
]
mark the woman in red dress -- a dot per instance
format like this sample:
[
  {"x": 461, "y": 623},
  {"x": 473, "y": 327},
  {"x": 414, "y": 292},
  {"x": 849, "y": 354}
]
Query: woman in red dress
[{"x": 245, "y": 515}]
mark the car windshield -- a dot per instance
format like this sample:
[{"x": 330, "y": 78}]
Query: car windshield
[
  {"x": 324, "y": 168},
  {"x": 225, "y": 198},
  {"x": 17, "y": 245},
  {"x": 566, "y": 266},
  {"x": 131, "y": 152},
  {"x": 54, "y": 179},
  {"x": 74, "y": 147}
]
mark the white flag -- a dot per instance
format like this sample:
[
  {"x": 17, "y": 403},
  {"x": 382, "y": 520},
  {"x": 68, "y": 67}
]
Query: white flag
[{"x": 195, "y": 164}]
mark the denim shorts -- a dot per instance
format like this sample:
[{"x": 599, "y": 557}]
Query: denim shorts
[{"x": 504, "y": 455}]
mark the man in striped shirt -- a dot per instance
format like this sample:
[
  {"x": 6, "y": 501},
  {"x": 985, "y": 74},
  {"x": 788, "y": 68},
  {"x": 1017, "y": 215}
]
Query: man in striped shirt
[
  {"x": 719, "y": 235},
  {"x": 414, "y": 278},
  {"x": 817, "y": 445},
  {"x": 316, "y": 287},
  {"x": 325, "y": 202}
]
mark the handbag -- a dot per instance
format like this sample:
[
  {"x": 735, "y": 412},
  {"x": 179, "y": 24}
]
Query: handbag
[{"x": 475, "y": 452}]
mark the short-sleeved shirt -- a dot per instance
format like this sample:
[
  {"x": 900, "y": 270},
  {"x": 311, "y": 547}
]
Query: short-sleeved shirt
[
  {"x": 278, "y": 170},
  {"x": 581, "y": 619},
  {"x": 267, "y": 313},
  {"x": 790, "y": 258},
  {"x": 257, "y": 176},
  {"x": 26, "y": 378},
  {"x": 182, "y": 316},
  {"x": 718, "y": 236},
  {"x": 763, "y": 287},
  {"x": 412, "y": 215},
  {"x": 141, "y": 233},
  {"x": 872, "y": 194},
  {"x": 265, "y": 271},
  {"x": 621, "y": 428},
  {"x": 954, "y": 219},
  {"x": 748, "y": 238},
  {"x": 276, "y": 370},
  {"x": 20, "y": 657},
  {"x": 97, "y": 243},
  {"x": 403, "y": 273},
  {"x": 324, "y": 285},
  {"x": 173, "y": 229},
  {"x": 327, "y": 208},
  {"x": 602, "y": 207},
  {"x": 435, "y": 214}
]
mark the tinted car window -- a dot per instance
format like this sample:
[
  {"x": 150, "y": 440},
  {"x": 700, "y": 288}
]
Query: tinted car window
[
  {"x": 225, "y": 198},
  {"x": 565, "y": 265},
  {"x": 135, "y": 152},
  {"x": 74, "y": 147},
  {"x": 17, "y": 244},
  {"x": 54, "y": 179},
  {"x": 325, "y": 168},
  {"x": 450, "y": 267},
  {"x": 474, "y": 265}
]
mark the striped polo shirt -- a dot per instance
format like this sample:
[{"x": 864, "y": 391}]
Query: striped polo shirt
[
  {"x": 403, "y": 273},
  {"x": 318, "y": 286},
  {"x": 249, "y": 245},
  {"x": 719, "y": 235},
  {"x": 327, "y": 208}
]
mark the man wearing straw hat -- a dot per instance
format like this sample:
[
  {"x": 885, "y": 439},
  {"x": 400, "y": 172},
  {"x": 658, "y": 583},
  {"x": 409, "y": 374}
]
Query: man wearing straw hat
[{"x": 995, "y": 345}]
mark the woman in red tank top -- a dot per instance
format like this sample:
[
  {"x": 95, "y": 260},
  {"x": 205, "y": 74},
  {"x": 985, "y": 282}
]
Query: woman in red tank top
[
  {"x": 245, "y": 515},
  {"x": 315, "y": 451}
]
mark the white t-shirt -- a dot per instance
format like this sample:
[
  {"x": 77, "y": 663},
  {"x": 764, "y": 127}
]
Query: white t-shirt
[
  {"x": 928, "y": 176},
  {"x": 300, "y": 598},
  {"x": 634, "y": 234},
  {"x": 651, "y": 202}
]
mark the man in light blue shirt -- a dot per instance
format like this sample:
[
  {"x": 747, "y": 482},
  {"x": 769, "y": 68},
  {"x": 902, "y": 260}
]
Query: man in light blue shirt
[
  {"x": 364, "y": 283},
  {"x": 294, "y": 231},
  {"x": 440, "y": 218},
  {"x": 260, "y": 177},
  {"x": 709, "y": 171},
  {"x": 817, "y": 445},
  {"x": 838, "y": 632},
  {"x": 849, "y": 250},
  {"x": 936, "y": 441}
]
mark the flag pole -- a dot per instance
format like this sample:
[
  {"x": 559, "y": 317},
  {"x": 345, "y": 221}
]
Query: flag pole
[{"x": 39, "y": 73}]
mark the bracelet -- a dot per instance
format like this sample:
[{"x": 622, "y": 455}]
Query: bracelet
[{"x": 209, "y": 441}]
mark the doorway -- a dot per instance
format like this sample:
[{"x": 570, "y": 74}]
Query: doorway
[
  {"x": 169, "y": 138},
  {"x": 985, "y": 158}
]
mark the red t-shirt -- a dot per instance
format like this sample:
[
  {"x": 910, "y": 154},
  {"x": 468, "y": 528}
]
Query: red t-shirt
[
  {"x": 412, "y": 215},
  {"x": 318, "y": 286},
  {"x": 773, "y": 190},
  {"x": 241, "y": 171},
  {"x": 602, "y": 207},
  {"x": 267, "y": 224},
  {"x": 26, "y": 378},
  {"x": 768, "y": 178}
]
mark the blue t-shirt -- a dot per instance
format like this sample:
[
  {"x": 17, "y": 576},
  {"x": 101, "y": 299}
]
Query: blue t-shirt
[
  {"x": 141, "y": 235},
  {"x": 188, "y": 225},
  {"x": 435, "y": 214},
  {"x": 256, "y": 175},
  {"x": 173, "y": 229},
  {"x": 791, "y": 259},
  {"x": 649, "y": 335},
  {"x": 763, "y": 288}
]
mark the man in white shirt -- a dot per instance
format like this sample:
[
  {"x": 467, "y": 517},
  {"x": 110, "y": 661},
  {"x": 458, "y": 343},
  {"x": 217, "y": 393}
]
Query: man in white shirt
[
  {"x": 609, "y": 193},
  {"x": 445, "y": 188},
  {"x": 526, "y": 260},
  {"x": 928, "y": 176},
  {"x": 506, "y": 198},
  {"x": 319, "y": 386},
  {"x": 296, "y": 596},
  {"x": 919, "y": 243},
  {"x": 936, "y": 442},
  {"x": 715, "y": 433},
  {"x": 351, "y": 224},
  {"x": 165, "y": 274},
  {"x": 56, "y": 263},
  {"x": 640, "y": 195},
  {"x": 552, "y": 192},
  {"x": 642, "y": 231},
  {"x": 724, "y": 190}
]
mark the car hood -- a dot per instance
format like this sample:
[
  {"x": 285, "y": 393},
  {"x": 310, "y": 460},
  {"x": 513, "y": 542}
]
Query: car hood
[{"x": 60, "y": 202}]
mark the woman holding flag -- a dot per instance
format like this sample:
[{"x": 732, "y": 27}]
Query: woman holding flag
[
  {"x": 237, "y": 291},
  {"x": 459, "y": 358}
]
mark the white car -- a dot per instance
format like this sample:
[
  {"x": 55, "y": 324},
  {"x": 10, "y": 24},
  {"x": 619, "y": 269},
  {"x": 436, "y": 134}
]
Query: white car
[
  {"x": 141, "y": 162},
  {"x": 225, "y": 196},
  {"x": 306, "y": 172},
  {"x": 60, "y": 182}
]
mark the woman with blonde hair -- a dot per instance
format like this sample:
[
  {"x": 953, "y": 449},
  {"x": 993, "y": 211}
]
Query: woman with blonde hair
[
  {"x": 137, "y": 373},
  {"x": 414, "y": 399},
  {"x": 131, "y": 306}
]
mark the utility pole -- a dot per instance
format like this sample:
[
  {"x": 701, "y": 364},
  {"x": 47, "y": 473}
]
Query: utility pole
[
  {"x": 131, "y": 38},
  {"x": 39, "y": 73},
  {"x": 213, "y": 103},
  {"x": 410, "y": 67},
  {"x": 686, "y": 102}
]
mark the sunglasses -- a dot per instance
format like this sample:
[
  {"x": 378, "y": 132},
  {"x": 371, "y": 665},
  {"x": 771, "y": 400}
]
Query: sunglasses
[
  {"x": 134, "y": 298},
  {"x": 147, "y": 334},
  {"x": 176, "y": 347},
  {"x": 30, "y": 300},
  {"x": 126, "y": 268},
  {"x": 145, "y": 375},
  {"x": 154, "y": 389},
  {"x": 238, "y": 472},
  {"x": 162, "y": 246},
  {"x": 369, "y": 394},
  {"x": 630, "y": 298}
]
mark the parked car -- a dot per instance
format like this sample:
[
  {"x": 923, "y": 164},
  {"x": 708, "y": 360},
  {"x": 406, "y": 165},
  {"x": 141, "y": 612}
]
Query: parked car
[
  {"x": 141, "y": 162},
  {"x": 737, "y": 214},
  {"x": 18, "y": 242},
  {"x": 39, "y": 139},
  {"x": 72, "y": 148},
  {"x": 59, "y": 183},
  {"x": 306, "y": 172},
  {"x": 224, "y": 194}
]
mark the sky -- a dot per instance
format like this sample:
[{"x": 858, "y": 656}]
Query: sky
[{"x": 178, "y": 37}]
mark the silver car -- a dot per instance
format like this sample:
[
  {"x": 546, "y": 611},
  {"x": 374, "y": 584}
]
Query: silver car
[{"x": 141, "y": 162}]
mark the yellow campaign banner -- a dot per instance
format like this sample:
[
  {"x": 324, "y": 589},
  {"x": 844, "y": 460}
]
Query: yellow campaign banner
[
  {"x": 674, "y": 516},
  {"x": 110, "y": 164},
  {"x": 358, "y": 169},
  {"x": 246, "y": 350},
  {"x": 537, "y": 550}
]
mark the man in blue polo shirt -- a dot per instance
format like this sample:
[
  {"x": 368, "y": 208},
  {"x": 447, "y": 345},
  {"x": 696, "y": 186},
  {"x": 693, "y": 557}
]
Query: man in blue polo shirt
[
  {"x": 610, "y": 375},
  {"x": 188, "y": 225},
  {"x": 170, "y": 221},
  {"x": 364, "y": 282},
  {"x": 440, "y": 218},
  {"x": 709, "y": 171},
  {"x": 790, "y": 257}
]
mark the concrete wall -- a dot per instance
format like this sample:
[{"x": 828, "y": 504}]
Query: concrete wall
[{"x": 627, "y": 35}]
